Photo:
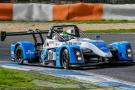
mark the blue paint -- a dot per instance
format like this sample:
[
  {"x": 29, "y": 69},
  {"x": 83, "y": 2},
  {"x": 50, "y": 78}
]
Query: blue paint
[
  {"x": 44, "y": 55},
  {"x": 71, "y": 52},
  {"x": 27, "y": 47},
  {"x": 122, "y": 50},
  {"x": 72, "y": 55},
  {"x": 101, "y": 45}
]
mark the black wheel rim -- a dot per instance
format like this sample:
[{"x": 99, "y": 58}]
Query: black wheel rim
[
  {"x": 65, "y": 59},
  {"x": 19, "y": 57}
]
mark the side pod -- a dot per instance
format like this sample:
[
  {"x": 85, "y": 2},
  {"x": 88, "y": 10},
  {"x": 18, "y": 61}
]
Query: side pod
[{"x": 124, "y": 50}]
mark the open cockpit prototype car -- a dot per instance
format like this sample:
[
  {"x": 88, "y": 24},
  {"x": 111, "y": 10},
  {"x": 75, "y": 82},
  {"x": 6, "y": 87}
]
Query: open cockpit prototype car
[{"x": 62, "y": 46}]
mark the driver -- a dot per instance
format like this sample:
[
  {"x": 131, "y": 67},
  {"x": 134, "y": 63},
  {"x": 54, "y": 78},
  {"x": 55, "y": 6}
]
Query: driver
[{"x": 62, "y": 37}]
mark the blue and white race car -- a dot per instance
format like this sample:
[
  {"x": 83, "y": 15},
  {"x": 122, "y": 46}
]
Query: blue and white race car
[{"x": 63, "y": 47}]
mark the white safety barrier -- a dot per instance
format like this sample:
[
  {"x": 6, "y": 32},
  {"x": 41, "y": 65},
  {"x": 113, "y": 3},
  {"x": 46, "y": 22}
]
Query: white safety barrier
[
  {"x": 32, "y": 12},
  {"x": 69, "y": 12},
  {"x": 119, "y": 12}
]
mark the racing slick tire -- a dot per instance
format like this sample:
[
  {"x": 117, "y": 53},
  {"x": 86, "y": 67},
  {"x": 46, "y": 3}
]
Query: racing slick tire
[
  {"x": 65, "y": 59},
  {"x": 19, "y": 55}
]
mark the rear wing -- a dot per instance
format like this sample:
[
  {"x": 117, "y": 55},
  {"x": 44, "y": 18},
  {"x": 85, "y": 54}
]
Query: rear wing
[{"x": 4, "y": 34}]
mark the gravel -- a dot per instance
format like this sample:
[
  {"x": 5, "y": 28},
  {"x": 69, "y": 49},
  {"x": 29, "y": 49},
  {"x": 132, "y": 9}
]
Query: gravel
[{"x": 23, "y": 26}]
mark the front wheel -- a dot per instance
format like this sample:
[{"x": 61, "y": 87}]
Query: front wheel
[
  {"x": 65, "y": 59},
  {"x": 19, "y": 55}
]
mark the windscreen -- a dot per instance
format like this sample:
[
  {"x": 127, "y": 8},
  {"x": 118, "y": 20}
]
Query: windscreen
[{"x": 69, "y": 30}]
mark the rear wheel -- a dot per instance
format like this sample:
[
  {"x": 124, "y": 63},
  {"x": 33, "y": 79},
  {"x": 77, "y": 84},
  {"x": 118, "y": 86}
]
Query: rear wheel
[
  {"x": 65, "y": 59},
  {"x": 19, "y": 55}
]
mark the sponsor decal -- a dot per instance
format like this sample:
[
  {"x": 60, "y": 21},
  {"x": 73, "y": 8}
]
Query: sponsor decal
[{"x": 29, "y": 52}]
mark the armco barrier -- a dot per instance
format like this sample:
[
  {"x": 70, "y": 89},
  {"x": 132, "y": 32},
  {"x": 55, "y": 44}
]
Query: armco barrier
[
  {"x": 79, "y": 11},
  {"x": 66, "y": 12},
  {"x": 6, "y": 11}
]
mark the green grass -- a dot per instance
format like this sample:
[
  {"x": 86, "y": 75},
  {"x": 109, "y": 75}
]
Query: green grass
[
  {"x": 15, "y": 79},
  {"x": 107, "y": 21},
  {"x": 111, "y": 31},
  {"x": 75, "y": 22}
]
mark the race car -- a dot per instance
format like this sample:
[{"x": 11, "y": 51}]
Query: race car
[{"x": 62, "y": 46}]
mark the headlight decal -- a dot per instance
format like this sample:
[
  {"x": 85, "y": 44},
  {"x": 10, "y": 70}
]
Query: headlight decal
[
  {"x": 78, "y": 54},
  {"x": 129, "y": 53}
]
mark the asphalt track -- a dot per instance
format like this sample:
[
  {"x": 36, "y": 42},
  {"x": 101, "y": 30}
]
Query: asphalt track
[{"x": 119, "y": 71}]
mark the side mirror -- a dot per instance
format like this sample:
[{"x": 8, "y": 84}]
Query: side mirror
[{"x": 98, "y": 36}]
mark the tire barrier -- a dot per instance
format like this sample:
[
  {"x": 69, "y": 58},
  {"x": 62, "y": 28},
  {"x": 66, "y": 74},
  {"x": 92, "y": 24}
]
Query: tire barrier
[{"x": 66, "y": 12}]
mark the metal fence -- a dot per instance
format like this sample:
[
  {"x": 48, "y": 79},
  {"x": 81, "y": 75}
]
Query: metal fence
[{"x": 72, "y": 1}]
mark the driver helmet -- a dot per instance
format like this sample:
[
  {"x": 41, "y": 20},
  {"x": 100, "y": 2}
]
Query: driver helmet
[
  {"x": 70, "y": 31},
  {"x": 65, "y": 35},
  {"x": 59, "y": 38}
]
